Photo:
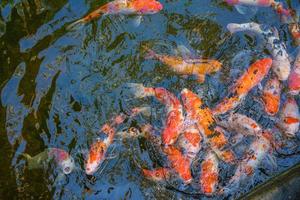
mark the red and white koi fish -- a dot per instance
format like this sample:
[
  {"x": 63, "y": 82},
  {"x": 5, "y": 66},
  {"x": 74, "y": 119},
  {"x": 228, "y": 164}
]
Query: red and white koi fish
[
  {"x": 139, "y": 7},
  {"x": 241, "y": 124},
  {"x": 258, "y": 150},
  {"x": 251, "y": 78},
  {"x": 59, "y": 156},
  {"x": 98, "y": 149},
  {"x": 206, "y": 124},
  {"x": 198, "y": 67},
  {"x": 159, "y": 174},
  {"x": 294, "y": 78},
  {"x": 175, "y": 119},
  {"x": 209, "y": 174},
  {"x": 281, "y": 64},
  {"x": 190, "y": 142},
  {"x": 271, "y": 96},
  {"x": 179, "y": 163},
  {"x": 289, "y": 119}
]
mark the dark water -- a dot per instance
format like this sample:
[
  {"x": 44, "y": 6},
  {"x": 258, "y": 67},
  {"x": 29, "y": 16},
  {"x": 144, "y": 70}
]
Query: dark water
[{"x": 59, "y": 87}]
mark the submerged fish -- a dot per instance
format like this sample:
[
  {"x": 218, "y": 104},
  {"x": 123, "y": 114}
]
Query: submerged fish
[
  {"x": 175, "y": 119},
  {"x": 281, "y": 64},
  {"x": 59, "y": 156},
  {"x": 207, "y": 125},
  {"x": 209, "y": 174},
  {"x": 251, "y": 78},
  {"x": 197, "y": 67},
  {"x": 295, "y": 32},
  {"x": 271, "y": 96},
  {"x": 159, "y": 174},
  {"x": 139, "y": 7},
  {"x": 294, "y": 78},
  {"x": 289, "y": 118}
]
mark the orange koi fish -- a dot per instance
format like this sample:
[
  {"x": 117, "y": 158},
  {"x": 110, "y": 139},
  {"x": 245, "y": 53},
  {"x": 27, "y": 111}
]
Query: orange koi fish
[
  {"x": 140, "y": 7},
  {"x": 197, "y": 67},
  {"x": 281, "y": 64},
  {"x": 179, "y": 163},
  {"x": 209, "y": 174},
  {"x": 159, "y": 174},
  {"x": 271, "y": 96},
  {"x": 252, "y": 77},
  {"x": 294, "y": 78},
  {"x": 174, "y": 121},
  {"x": 207, "y": 125},
  {"x": 241, "y": 124},
  {"x": 258, "y": 150},
  {"x": 289, "y": 118},
  {"x": 190, "y": 142}
]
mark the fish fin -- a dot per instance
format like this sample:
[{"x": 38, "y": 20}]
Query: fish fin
[
  {"x": 150, "y": 54},
  {"x": 183, "y": 51},
  {"x": 60, "y": 179},
  {"x": 291, "y": 120},
  {"x": 137, "y": 20},
  {"x": 270, "y": 161},
  {"x": 27, "y": 156},
  {"x": 137, "y": 89},
  {"x": 146, "y": 111},
  {"x": 112, "y": 156},
  {"x": 200, "y": 78},
  {"x": 246, "y": 10},
  {"x": 76, "y": 25}
]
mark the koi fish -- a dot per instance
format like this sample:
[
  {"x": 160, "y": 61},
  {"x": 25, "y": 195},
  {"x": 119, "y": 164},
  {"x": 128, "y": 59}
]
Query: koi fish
[
  {"x": 209, "y": 173},
  {"x": 159, "y": 174},
  {"x": 294, "y": 29},
  {"x": 294, "y": 78},
  {"x": 281, "y": 64},
  {"x": 206, "y": 124},
  {"x": 190, "y": 142},
  {"x": 179, "y": 163},
  {"x": 289, "y": 118},
  {"x": 241, "y": 124},
  {"x": 271, "y": 96},
  {"x": 139, "y": 7},
  {"x": 251, "y": 78},
  {"x": 60, "y": 156},
  {"x": 174, "y": 121},
  {"x": 197, "y": 67},
  {"x": 257, "y": 152}
]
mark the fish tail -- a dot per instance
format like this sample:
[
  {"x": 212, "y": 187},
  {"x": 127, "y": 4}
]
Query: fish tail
[
  {"x": 76, "y": 24},
  {"x": 143, "y": 110},
  {"x": 149, "y": 53},
  {"x": 138, "y": 90},
  {"x": 27, "y": 156}
]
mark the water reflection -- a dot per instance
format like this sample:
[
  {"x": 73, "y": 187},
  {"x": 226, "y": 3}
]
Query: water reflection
[{"x": 58, "y": 88}]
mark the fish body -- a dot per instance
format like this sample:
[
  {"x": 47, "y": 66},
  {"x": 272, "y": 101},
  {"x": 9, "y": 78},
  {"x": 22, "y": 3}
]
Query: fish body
[
  {"x": 241, "y": 124},
  {"x": 294, "y": 78},
  {"x": 289, "y": 118},
  {"x": 59, "y": 156},
  {"x": 197, "y": 67},
  {"x": 271, "y": 96},
  {"x": 251, "y": 78},
  {"x": 179, "y": 163},
  {"x": 206, "y": 123},
  {"x": 140, "y": 7},
  {"x": 295, "y": 32},
  {"x": 281, "y": 64},
  {"x": 261, "y": 3},
  {"x": 190, "y": 142},
  {"x": 209, "y": 174},
  {"x": 159, "y": 174}
]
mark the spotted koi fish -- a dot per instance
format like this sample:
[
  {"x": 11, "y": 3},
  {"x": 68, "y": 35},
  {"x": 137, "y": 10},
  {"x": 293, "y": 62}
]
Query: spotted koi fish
[
  {"x": 289, "y": 118},
  {"x": 281, "y": 64},
  {"x": 271, "y": 96},
  {"x": 197, "y": 67},
  {"x": 206, "y": 123},
  {"x": 251, "y": 78},
  {"x": 139, "y": 7},
  {"x": 294, "y": 78}
]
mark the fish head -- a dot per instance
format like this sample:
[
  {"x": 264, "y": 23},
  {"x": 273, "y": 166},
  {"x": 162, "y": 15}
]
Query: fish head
[
  {"x": 91, "y": 167},
  {"x": 95, "y": 157},
  {"x": 68, "y": 165}
]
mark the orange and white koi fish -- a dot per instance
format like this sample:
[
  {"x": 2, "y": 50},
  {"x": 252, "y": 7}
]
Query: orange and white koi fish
[
  {"x": 179, "y": 163},
  {"x": 289, "y": 118},
  {"x": 206, "y": 124},
  {"x": 281, "y": 64},
  {"x": 175, "y": 119},
  {"x": 98, "y": 149},
  {"x": 197, "y": 67},
  {"x": 241, "y": 124},
  {"x": 271, "y": 96},
  {"x": 251, "y": 78},
  {"x": 294, "y": 78},
  {"x": 258, "y": 150},
  {"x": 209, "y": 174},
  {"x": 190, "y": 142},
  {"x": 139, "y": 7},
  {"x": 159, "y": 174}
]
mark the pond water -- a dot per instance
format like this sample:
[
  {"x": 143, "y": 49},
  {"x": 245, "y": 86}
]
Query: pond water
[{"x": 59, "y": 86}]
